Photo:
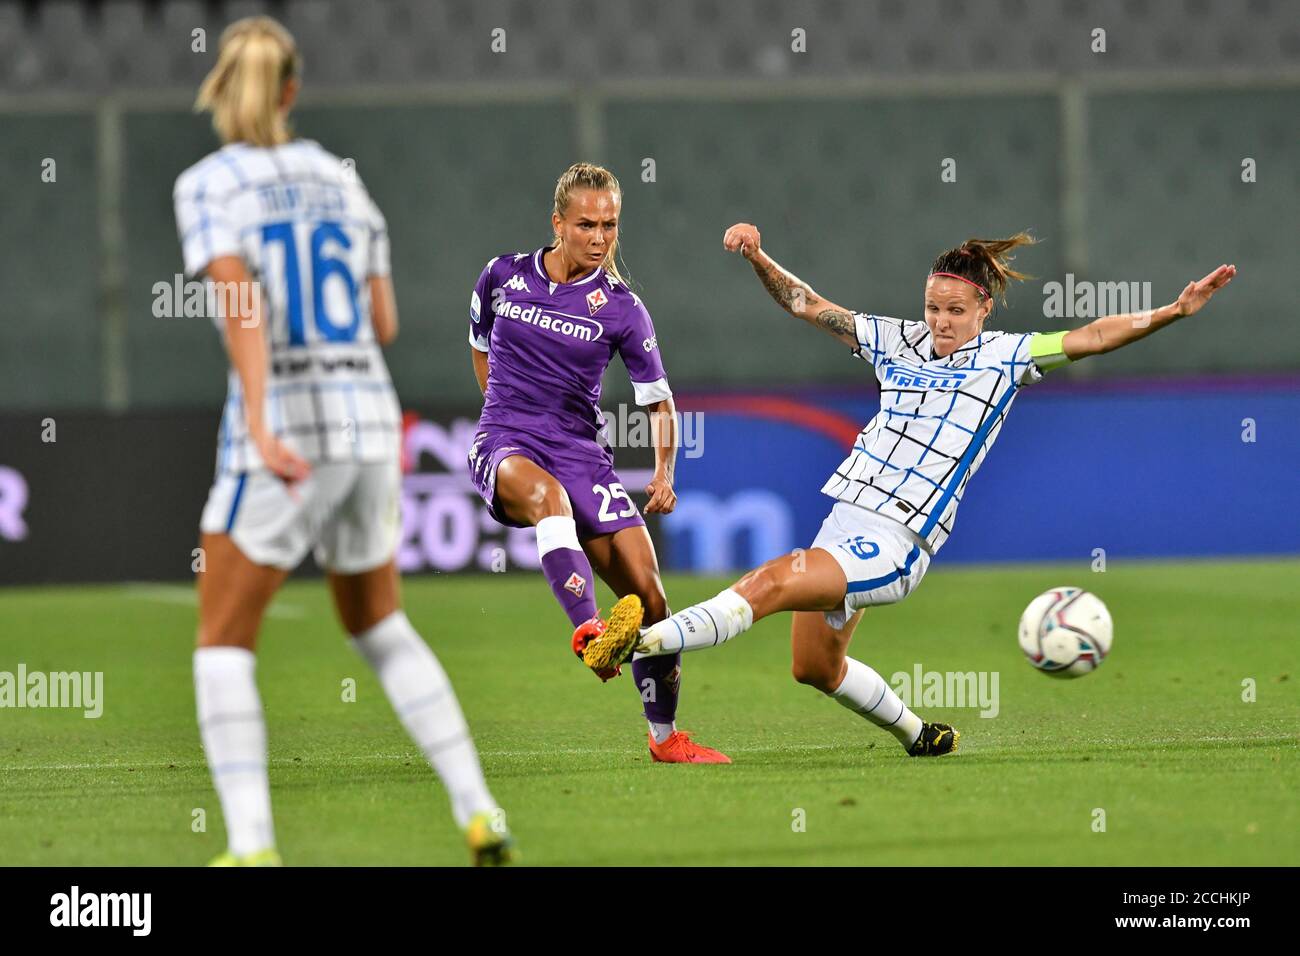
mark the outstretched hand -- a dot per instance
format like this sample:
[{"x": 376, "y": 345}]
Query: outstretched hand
[
  {"x": 744, "y": 238},
  {"x": 1191, "y": 299}
]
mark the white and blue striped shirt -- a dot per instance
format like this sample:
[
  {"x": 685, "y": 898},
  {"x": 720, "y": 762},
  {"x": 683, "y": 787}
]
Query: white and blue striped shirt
[
  {"x": 310, "y": 236},
  {"x": 938, "y": 417}
]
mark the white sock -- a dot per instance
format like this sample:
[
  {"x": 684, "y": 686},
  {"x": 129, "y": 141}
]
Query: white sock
[
  {"x": 706, "y": 624},
  {"x": 233, "y": 731},
  {"x": 662, "y": 732},
  {"x": 556, "y": 531},
  {"x": 422, "y": 696},
  {"x": 865, "y": 692}
]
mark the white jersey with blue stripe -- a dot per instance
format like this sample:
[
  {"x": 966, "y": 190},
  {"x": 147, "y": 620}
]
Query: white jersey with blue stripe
[
  {"x": 310, "y": 236},
  {"x": 938, "y": 417}
]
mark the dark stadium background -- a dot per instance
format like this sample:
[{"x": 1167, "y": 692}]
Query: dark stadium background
[{"x": 1127, "y": 163}]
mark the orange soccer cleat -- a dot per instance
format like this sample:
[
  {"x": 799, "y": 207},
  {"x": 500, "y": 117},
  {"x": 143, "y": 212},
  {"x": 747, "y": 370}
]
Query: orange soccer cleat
[
  {"x": 585, "y": 633},
  {"x": 679, "y": 748}
]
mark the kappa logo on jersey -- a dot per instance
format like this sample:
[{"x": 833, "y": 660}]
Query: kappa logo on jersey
[
  {"x": 576, "y": 583},
  {"x": 517, "y": 284},
  {"x": 596, "y": 299},
  {"x": 905, "y": 376},
  {"x": 651, "y": 343}
]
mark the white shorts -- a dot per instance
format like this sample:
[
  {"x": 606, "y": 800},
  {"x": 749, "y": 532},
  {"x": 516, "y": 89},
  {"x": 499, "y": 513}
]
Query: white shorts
[
  {"x": 882, "y": 560},
  {"x": 347, "y": 510}
]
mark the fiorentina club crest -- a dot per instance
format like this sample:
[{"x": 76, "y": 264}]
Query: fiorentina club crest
[
  {"x": 596, "y": 299},
  {"x": 576, "y": 583}
]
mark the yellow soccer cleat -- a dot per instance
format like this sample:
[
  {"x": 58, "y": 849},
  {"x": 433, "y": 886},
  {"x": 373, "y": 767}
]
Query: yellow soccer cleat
[
  {"x": 267, "y": 857},
  {"x": 489, "y": 845},
  {"x": 621, "y": 635}
]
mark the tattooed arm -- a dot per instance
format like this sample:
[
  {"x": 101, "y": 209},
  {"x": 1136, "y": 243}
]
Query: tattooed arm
[{"x": 791, "y": 293}]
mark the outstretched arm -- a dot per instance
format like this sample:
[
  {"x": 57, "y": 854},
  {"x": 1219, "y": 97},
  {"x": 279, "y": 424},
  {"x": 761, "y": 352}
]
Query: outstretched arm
[
  {"x": 1113, "y": 331},
  {"x": 791, "y": 293}
]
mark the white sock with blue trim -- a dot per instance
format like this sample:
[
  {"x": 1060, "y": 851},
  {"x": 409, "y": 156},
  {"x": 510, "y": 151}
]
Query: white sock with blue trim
[
  {"x": 865, "y": 692},
  {"x": 233, "y": 731},
  {"x": 421, "y": 693},
  {"x": 706, "y": 624}
]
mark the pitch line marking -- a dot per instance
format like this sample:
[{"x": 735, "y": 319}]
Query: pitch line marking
[
  {"x": 568, "y": 751},
  {"x": 185, "y": 595}
]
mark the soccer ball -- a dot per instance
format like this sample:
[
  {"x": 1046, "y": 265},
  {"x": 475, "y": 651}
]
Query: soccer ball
[{"x": 1066, "y": 632}]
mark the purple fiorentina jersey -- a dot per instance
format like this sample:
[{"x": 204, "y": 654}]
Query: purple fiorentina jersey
[{"x": 548, "y": 345}]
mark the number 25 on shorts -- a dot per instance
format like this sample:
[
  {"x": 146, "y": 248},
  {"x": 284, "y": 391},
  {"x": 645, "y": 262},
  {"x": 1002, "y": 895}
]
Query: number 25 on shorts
[{"x": 610, "y": 494}]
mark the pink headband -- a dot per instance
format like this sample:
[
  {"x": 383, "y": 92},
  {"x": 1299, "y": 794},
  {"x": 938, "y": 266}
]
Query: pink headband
[{"x": 952, "y": 275}]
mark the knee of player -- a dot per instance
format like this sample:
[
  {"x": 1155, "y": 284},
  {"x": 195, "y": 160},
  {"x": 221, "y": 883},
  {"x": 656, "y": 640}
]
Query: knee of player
[
  {"x": 763, "y": 587},
  {"x": 815, "y": 673},
  {"x": 549, "y": 498}
]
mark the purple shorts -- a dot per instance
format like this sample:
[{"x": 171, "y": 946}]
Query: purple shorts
[{"x": 601, "y": 505}]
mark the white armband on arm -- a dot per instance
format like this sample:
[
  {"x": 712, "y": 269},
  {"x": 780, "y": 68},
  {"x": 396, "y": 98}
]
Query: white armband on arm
[
  {"x": 647, "y": 393},
  {"x": 1047, "y": 350}
]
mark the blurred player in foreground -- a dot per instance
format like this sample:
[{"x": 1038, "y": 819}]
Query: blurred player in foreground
[
  {"x": 544, "y": 326},
  {"x": 946, "y": 385},
  {"x": 309, "y": 448}
]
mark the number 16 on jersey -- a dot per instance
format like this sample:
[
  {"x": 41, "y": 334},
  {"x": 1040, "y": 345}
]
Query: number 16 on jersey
[{"x": 327, "y": 241}]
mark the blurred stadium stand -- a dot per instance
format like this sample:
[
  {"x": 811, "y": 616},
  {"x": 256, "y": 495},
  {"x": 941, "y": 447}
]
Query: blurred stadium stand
[
  {"x": 1127, "y": 164},
  {"x": 78, "y": 45}
]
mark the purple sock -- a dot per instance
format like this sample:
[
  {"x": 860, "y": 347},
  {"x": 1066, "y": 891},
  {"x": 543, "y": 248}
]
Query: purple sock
[
  {"x": 569, "y": 573},
  {"x": 658, "y": 679},
  {"x": 566, "y": 568}
]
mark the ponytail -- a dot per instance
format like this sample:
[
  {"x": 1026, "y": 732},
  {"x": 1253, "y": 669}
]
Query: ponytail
[
  {"x": 984, "y": 263},
  {"x": 244, "y": 89}
]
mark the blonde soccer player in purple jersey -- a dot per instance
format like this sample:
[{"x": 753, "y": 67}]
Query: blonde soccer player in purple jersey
[
  {"x": 544, "y": 325},
  {"x": 297, "y": 256},
  {"x": 946, "y": 385}
]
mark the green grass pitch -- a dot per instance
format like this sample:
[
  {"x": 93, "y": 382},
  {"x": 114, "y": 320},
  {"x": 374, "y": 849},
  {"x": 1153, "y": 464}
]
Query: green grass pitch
[{"x": 1160, "y": 738}]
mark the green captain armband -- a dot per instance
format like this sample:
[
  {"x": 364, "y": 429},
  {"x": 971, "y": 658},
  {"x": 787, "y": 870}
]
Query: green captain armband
[{"x": 1047, "y": 349}]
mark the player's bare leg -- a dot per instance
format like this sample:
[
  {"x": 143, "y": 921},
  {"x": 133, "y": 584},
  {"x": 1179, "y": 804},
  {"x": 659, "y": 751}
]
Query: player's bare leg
[
  {"x": 808, "y": 580},
  {"x": 818, "y": 651},
  {"x": 820, "y": 659},
  {"x": 369, "y": 606},
  {"x": 233, "y": 595},
  {"x": 363, "y": 600},
  {"x": 627, "y": 562}
]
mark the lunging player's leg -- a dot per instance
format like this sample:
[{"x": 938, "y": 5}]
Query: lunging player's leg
[
  {"x": 369, "y": 607},
  {"x": 626, "y": 561},
  {"x": 806, "y": 581},
  {"x": 820, "y": 656},
  {"x": 233, "y": 595},
  {"x": 812, "y": 582}
]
